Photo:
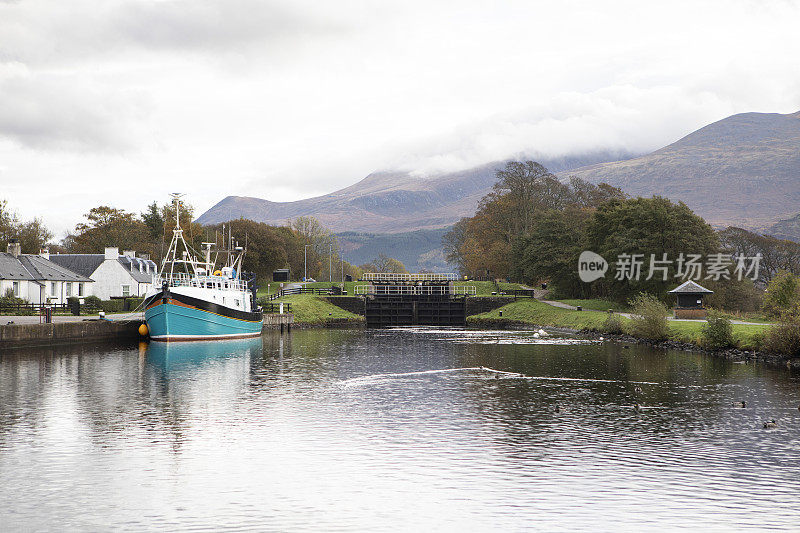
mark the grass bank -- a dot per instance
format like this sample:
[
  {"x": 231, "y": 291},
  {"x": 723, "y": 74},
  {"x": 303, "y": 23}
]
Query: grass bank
[
  {"x": 311, "y": 310},
  {"x": 535, "y": 313},
  {"x": 597, "y": 305}
]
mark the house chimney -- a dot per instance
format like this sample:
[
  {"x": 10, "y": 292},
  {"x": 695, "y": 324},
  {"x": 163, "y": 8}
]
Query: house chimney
[
  {"x": 45, "y": 252},
  {"x": 14, "y": 247},
  {"x": 112, "y": 253},
  {"x": 129, "y": 253}
]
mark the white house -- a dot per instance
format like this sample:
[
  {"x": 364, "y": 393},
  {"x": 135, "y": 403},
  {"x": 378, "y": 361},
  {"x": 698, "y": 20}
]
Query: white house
[
  {"x": 37, "y": 280},
  {"x": 114, "y": 274}
]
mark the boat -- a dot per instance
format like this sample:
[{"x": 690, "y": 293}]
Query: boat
[{"x": 193, "y": 300}]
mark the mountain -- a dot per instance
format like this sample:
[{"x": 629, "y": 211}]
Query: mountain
[
  {"x": 417, "y": 250},
  {"x": 743, "y": 170},
  {"x": 388, "y": 202},
  {"x": 785, "y": 229}
]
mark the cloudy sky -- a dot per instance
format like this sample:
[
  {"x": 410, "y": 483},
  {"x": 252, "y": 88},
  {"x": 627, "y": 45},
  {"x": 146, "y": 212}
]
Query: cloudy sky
[{"x": 120, "y": 102}]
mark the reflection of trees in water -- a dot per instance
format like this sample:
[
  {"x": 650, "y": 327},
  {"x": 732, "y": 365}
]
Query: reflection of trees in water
[
  {"x": 302, "y": 358},
  {"x": 682, "y": 394}
]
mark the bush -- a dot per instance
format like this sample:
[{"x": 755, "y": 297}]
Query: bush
[
  {"x": 734, "y": 295},
  {"x": 782, "y": 294},
  {"x": 9, "y": 303},
  {"x": 133, "y": 303},
  {"x": 785, "y": 337},
  {"x": 717, "y": 331},
  {"x": 112, "y": 306},
  {"x": 613, "y": 324},
  {"x": 648, "y": 317},
  {"x": 92, "y": 301}
]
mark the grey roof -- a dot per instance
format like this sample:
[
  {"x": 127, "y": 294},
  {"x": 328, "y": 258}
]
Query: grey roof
[
  {"x": 11, "y": 268},
  {"x": 86, "y": 264},
  {"x": 83, "y": 264},
  {"x": 143, "y": 276},
  {"x": 42, "y": 269},
  {"x": 690, "y": 287}
]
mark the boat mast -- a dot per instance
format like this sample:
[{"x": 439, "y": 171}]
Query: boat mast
[{"x": 177, "y": 237}]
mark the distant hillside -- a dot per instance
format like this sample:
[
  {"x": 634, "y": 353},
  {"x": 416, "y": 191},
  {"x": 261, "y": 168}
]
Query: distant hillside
[
  {"x": 388, "y": 202},
  {"x": 417, "y": 250},
  {"x": 785, "y": 229},
  {"x": 743, "y": 170}
]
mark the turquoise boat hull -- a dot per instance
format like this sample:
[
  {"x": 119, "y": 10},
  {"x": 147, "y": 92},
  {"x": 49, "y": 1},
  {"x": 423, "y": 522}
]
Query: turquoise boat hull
[{"x": 175, "y": 317}]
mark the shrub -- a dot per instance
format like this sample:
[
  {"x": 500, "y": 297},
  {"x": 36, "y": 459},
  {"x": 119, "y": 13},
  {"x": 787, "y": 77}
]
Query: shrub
[
  {"x": 9, "y": 303},
  {"x": 784, "y": 338},
  {"x": 133, "y": 303},
  {"x": 782, "y": 294},
  {"x": 613, "y": 324},
  {"x": 648, "y": 317},
  {"x": 717, "y": 331},
  {"x": 734, "y": 295},
  {"x": 112, "y": 306},
  {"x": 92, "y": 301}
]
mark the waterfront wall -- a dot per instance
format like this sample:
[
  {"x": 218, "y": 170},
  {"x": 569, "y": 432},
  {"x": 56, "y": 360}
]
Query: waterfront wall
[
  {"x": 18, "y": 335},
  {"x": 278, "y": 321},
  {"x": 484, "y": 304}
]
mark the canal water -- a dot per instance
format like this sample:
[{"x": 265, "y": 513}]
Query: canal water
[{"x": 416, "y": 429}]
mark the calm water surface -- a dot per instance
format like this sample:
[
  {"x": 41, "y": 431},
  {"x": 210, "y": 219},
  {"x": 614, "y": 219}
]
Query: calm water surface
[{"x": 394, "y": 430}]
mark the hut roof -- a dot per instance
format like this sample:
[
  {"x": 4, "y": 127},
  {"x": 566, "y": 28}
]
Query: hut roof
[{"x": 690, "y": 287}]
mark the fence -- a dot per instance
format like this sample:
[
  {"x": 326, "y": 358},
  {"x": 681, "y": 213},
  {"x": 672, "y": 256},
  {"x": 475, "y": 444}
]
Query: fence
[
  {"x": 328, "y": 291},
  {"x": 398, "y": 290},
  {"x": 270, "y": 308},
  {"x": 391, "y": 276},
  {"x": 521, "y": 293},
  {"x": 38, "y": 309}
]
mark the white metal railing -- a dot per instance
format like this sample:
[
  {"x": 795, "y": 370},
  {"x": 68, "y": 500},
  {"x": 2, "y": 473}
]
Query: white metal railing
[
  {"x": 203, "y": 282},
  {"x": 391, "y": 276},
  {"x": 397, "y": 290}
]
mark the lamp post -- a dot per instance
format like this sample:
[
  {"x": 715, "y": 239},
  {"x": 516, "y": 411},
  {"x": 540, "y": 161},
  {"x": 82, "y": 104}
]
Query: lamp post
[
  {"x": 305, "y": 262},
  {"x": 330, "y": 262}
]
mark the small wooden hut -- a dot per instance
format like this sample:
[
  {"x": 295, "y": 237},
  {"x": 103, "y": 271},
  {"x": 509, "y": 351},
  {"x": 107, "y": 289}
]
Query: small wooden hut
[{"x": 689, "y": 300}]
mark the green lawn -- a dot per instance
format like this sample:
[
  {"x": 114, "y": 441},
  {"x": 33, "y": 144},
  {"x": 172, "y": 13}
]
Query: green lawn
[
  {"x": 598, "y": 305},
  {"x": 308, "y": 309},
  {"x": 540, "y": 314},
  {"x": 535, "y": 313},
  {"x": 746, "y": 336}
]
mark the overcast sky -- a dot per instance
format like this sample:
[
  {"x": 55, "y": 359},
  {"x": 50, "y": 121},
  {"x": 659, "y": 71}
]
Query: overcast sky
[{"x": 121, "y": 102}]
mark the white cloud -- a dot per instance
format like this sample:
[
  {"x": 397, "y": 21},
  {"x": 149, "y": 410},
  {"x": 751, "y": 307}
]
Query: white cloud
[{"x": 133, "y": 98}]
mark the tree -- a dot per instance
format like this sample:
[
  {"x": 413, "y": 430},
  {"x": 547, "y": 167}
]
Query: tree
[
  {"x": 524, "y": 193},
  {"x": 108, "y": 226},
  {"x": 782, "y": 294},
  {"x": 32, "y": 235},
  {"x": 550, "y": 251},
  {"x": 384, "y": 263},
  {"x": 649, "y": 228},
  {"x": 776, "y": 254},
  {"x": 453, "y": 243},
  {"x": 268, "y": 247}
]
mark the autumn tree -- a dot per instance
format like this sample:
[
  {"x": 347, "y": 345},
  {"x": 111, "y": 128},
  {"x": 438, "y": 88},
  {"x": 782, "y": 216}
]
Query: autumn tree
[
  {"x": 32, "y": 235},
  {"x": 108, "y": 226},
  {"x": 384, "y": 263}
]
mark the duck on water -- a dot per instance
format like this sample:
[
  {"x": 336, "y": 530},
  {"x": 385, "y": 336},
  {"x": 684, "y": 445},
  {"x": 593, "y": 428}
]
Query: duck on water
[{"x": 192, "y": 300}]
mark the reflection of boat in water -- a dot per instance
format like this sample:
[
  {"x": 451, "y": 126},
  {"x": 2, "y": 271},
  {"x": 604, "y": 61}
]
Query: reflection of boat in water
[
  {"x": 201, "y": 302},
  {"x": 172, "y": 354}
]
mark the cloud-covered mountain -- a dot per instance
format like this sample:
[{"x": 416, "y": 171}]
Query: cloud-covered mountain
[
  {"x": 743, "y": 170},
  {"x": 388, "y": 202}
]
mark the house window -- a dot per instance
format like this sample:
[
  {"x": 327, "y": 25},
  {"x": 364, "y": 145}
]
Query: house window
[
  {"x": 126, "y": 290},
  {"x": 69, "y": 289},
  {"x": 80, "y": 289},
  {"x": 15, "y": 286},
  {"x": 53, "y": 289}
]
